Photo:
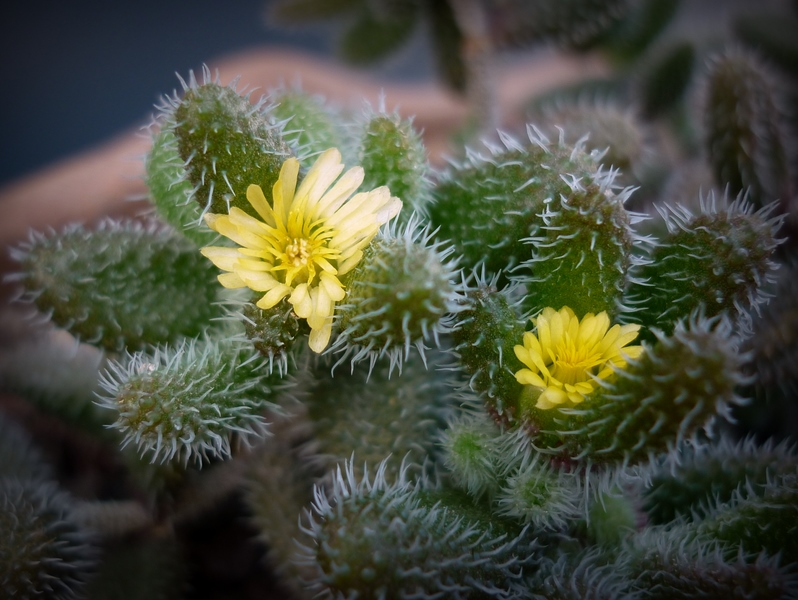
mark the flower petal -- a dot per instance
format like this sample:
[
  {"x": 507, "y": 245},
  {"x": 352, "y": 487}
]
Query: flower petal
[
  {"x": 224, "y": 258},
  {"x": 628, "y": 333},
  {"x": 231, "y": 281},
  {"x": 563, "y": 353},
  {"x": 323, "y": 172},
  {"x": 323, "y": 307},
  {"x": 283, "y": 190},
  {"x": 258, "y": 281},
  {"x": 522, "y": 354},
  {"x": 250, "y": 264},
  {"x": 273, "y": 296},
  {"x": 632, "y": 352},
  {"x": 211, "y": 220},
  {"x": 333, "y": 287},
  {"x": 389, "y": 210},
  {"x": 592, "y": 329},
  {"x": 240, "y": 232},
  {"x": 300, "y": 300},
  {"x": 575, "y": 397},
  {"x": 319, "y": 338},
  {"x": 551, "y": 397},
  {"x": 570, "y": 325},
  {"x": 349, "y": 263},
  {"x": 527, "y": 377},
  {"x": 607, "y": 343},
  {"x": 302, "y": 238},
  {"x": 260, "y": 204},
  {"x": 337, "y": 195},
  {"x": 543, "y": 323},
  {"x": 532, "y": 343}
]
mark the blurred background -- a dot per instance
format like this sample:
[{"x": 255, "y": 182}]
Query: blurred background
[{"x": 76, "y": 73}]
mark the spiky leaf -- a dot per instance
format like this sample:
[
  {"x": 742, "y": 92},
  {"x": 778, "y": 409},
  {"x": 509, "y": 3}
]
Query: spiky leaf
[
  {"x": 108, "y": 286},
  {"x": 310, "y": 127},
  {"x": 759, "y": 520},
  {"x": 227, "y": 143},
  {"x": 719, "y": 259},
  {"x": 58, "y": 376},
  {"x": 279, "y": 479},
  {"x": 581, "y": 251},
  {"x": 608, "y": 125},
  {"x": 490, "y": 203},
  {"x": 744, "y": 128},
  {"x": 689, "y": 478},
  {"x": 391, "y": 153},
  {"x": 170, "y": 190},
  {"x": 379, "y": 540},
  {"x": 401, "y": 294},
  {"x": 484, "y": 336},
  {"x": 611, "y": 518},
  {"x": 43, "y": 551},
  {"x": 471, "y": 453},
  {"x": 668, "y": 564},
  {"x": 273, "y": 331},
  {"x": 375, "y": 413},
  {"x": 548, "y": 497},
  {"x": 194, "y": 401}
]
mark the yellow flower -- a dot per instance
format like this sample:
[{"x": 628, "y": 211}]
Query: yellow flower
[
  {"x": 566, "y": 357},
  {"x": 308, "y": 237}
]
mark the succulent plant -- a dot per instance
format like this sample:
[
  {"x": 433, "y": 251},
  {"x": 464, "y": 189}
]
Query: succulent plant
[{"x": 516, "y": 375}]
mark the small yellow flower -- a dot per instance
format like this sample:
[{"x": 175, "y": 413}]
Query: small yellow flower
[
  {"x": 308, "y": 237},
  {"x": 566, "y": 357}
]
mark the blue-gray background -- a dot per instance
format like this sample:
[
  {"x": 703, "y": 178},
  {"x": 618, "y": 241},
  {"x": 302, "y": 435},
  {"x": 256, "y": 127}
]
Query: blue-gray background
[{"x": 76, "y": 73}]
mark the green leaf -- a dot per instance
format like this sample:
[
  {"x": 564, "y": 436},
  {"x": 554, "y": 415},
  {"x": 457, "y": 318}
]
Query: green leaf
[
  {"x": 123, "y": 285},
  {"x": 227, "y": 143}
]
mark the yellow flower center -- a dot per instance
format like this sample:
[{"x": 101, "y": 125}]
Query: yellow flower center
[
  {"x": 565, "y": 357},
  {"x": 298, "y": 252},
  {"x": 571, "y": 363}
]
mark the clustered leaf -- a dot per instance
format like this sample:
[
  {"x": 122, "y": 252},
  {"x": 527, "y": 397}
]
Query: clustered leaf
[{"x": 372, "y": 538}]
